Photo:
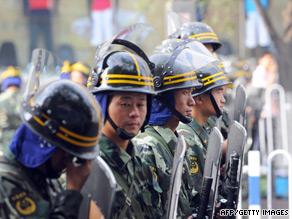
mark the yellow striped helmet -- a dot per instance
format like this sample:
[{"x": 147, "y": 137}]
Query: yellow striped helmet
[
  {"x": 121, "y": 71},
  {"x": 177, "y": 70},
  {"x": 211, "y": 78},
  {"x": 65, "y": 114},
  {"x": 199, "y": 31}
]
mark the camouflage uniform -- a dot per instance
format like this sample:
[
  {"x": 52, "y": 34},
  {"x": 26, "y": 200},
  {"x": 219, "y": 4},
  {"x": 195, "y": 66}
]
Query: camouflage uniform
[
  {"x": 224, "y": 125},
  {"x": 25, "y": 193},
  {"x": 197, "y": 140},
  {"x": 156, "y": 145},
  {"x": 145, "y": 188},
  {"x": 10, "y": 120}
]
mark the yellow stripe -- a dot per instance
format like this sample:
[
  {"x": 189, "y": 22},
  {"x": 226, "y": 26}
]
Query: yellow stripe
[
  {"x": 202, "y": 34},
  {"x": 178, "y": 76},
  {"x": 45, "y": 116},
  {"x": 207, "y": 37},
  {"x": 127, "y": 76},
  {"x": 128, "y": 82},
  {"x": 75, "y": 142},
  {"x": 212, "y": 76},
  {"x": 217, "y": 79},
  {"x": 31, "y": 102},
  {"x": 39, "y": 121},
  {"x": 135, "y": 60},
  {"x": 88, "y": 84},
  {"x": 66, "y": 131},
  {"x": 180, "y": 80}
]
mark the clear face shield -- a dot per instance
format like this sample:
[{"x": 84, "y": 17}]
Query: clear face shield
[
  {"x": 139, "y": 39},
  {"x": 45, "y": 67},
  {"x": 203, "y": 54},
  {"x": 140, "y": 35},
  {"x": 174, "y": 22}
]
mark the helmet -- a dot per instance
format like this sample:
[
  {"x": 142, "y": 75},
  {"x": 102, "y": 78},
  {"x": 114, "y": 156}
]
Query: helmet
[
  {"x": 171, "y": 74},
  {"x": 82, "y": 67},
  {"x": 175, "y": 71},
  {"x": 200, "y": 31},
  {"x": 169, "y": 45},
  {"x": 65, "y": 70},
  {"x": 121, "y": 71},
  {"x": 66, "y": 67},
  {"x": 65, "y": 114},
  {"x": 211, "y": 78},
  {"x": 10, "y": 77}
]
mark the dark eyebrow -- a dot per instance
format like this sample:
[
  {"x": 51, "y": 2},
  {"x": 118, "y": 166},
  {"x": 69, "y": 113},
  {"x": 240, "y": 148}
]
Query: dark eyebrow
[
  {"x": 126, "y": 98},
  {"x": 220, "y": 88}
]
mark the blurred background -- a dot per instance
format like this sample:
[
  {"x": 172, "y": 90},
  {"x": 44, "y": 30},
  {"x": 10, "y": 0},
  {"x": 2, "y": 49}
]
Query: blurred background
[
  {"x": 71, "y": 22},
  {"x": 73, "y": 29}
]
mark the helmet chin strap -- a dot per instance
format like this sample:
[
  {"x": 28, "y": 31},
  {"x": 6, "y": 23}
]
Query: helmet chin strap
[
  {"x": 182, "y": 118},
  {"x": 122, "y": 133},
  {"x": 50, "y": 171},
  {"x": 218, "y": 111}
]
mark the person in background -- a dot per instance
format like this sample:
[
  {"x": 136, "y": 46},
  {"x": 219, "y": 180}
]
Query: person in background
[
  {"x": 80, "y": 72},
  {"x": 265, "y": 74},
  {"x": 256, "y": 31},
  {"x": 40, "y": 14},
  {"x": 101, "y": 21},
  {"x": 10, "y": 102},
  {"x": 60, "y": 132}
]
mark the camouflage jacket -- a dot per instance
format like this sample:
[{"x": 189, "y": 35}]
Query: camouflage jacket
[
  {"x": 197, "y": 139},
  {"x": 156, "y": 145},
  {"x": 145, "y": 188},
  {"x": 24, "y": 193},
  {"x": 10, "y": 102},
  {"x": 224, "y": 125}
]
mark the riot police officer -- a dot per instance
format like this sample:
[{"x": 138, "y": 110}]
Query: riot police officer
[
  {"x": 174, "y": 80},
  {"x": 122, "y": 82},
  {"x": 61, "y": 125}
]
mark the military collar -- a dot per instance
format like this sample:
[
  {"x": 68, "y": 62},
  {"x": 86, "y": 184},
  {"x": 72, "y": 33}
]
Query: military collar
[
  {"x": 168, "y": 135},
  {"x": 201, "y": 132},
  {"x": 114, "y": 154}
]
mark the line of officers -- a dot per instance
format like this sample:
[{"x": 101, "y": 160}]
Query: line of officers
[{"x": 131, "y": 114}]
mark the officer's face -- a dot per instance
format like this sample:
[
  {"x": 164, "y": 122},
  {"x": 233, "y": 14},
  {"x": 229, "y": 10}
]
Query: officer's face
[
  {"x": 184, "y": 101},
  {"x": 78, "y": 77},
  {"x": 209, "y": 47},
  {"x": 218, "y": 94},
  {"x": 128, "y": 111}
]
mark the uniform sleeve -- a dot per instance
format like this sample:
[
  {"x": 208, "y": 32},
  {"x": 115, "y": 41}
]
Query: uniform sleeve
[
  {"x": 67, "y": 204},
  {"x": 144, "y": 147}
]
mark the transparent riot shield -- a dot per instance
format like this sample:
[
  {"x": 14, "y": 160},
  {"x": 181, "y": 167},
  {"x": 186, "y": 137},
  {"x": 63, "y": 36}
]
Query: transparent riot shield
[
  {"x": 98, "y": 191},
  {"x": 176, "y": 175}
]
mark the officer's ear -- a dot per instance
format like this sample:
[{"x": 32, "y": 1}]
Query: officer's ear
[{"x": 199, "y": 99}]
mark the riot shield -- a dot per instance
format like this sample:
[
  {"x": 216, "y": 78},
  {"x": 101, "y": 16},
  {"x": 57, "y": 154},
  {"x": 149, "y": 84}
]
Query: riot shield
[
  {"x": 234, "y": 160},
  {"x": 175, "y": 182},
  {"x": 98, "y": 191},
  {"x": 240, "y": 105},
  {"x": 212, "y": 167}
]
